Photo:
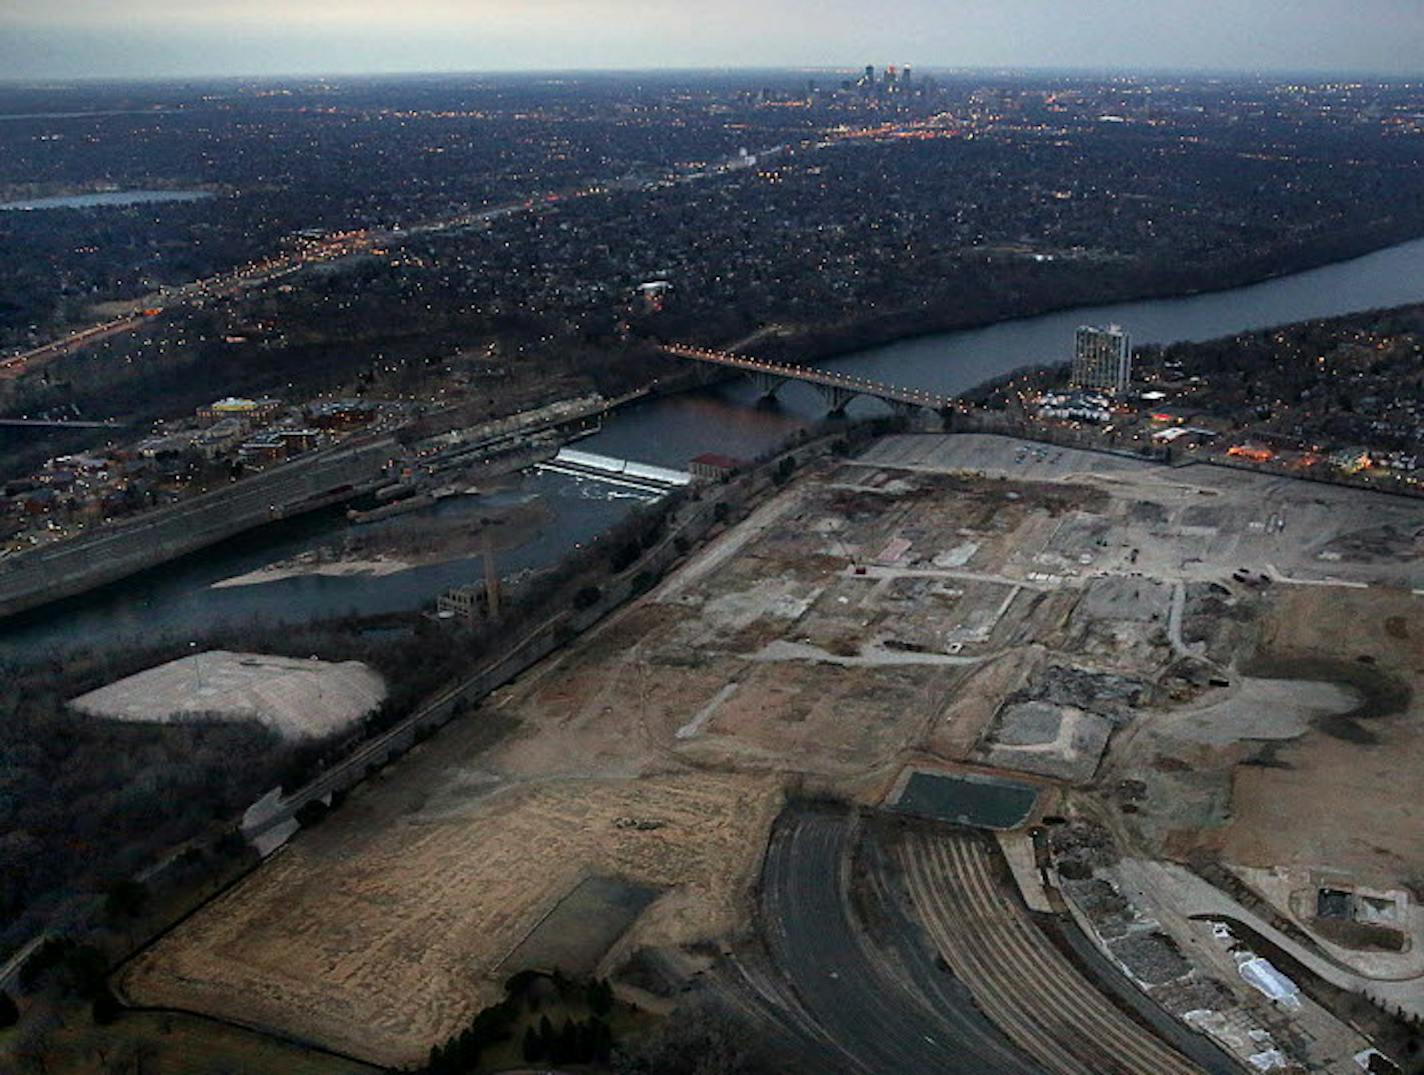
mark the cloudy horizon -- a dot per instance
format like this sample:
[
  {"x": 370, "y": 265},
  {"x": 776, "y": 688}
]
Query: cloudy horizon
[{"x": 67, "y": 39}]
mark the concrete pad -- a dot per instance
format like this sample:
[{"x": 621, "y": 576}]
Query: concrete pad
[{"x": 296, "y": 698}]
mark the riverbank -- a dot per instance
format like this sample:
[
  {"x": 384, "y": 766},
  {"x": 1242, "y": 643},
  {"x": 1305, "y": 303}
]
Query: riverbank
[
  {"x": 442, "y": 532},
  {"x": 1074, "y": 288},
  {"x": 669, "y": 430},
  {"x": 480, "y": 661},
  {"x": 339, "y": 569},
  {"x": 110, "y": 553}
]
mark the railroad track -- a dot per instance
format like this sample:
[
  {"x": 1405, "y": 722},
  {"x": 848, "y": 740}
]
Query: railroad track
[{"x": 1022, "y": 982}]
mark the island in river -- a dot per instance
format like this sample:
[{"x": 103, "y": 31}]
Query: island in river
[{"x": 403, "y": 542}]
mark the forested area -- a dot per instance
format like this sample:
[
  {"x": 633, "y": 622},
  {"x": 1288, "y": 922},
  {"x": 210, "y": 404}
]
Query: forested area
[
  {"x": 87, "y": 803},
  {"x": 1340, "y": 381},
  {"x": 1020, "y": 204}
]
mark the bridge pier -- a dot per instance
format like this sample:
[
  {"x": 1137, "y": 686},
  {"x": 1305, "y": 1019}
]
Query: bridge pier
[
  {"x": 835, "y": 396},
  {"x": 768, "y": 384},
  {"x": 903, "y": 408},
  {"x": 837, "y": 389}
]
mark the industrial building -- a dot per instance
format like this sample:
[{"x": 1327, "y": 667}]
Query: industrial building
[
  {"x": 253, "y": 411},
  {"x": 713, "y": 466},
  {"x": 469, "y": 603}
]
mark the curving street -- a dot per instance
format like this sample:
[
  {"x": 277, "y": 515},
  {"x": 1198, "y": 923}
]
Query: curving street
[{"x": 880, "y": 1012}]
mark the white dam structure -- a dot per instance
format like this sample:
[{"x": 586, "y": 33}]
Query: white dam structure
[{"x": 625, "y": 472}]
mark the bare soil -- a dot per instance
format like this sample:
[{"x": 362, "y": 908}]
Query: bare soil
[
  {"x": 1344, "y": 794},
  {"x": 385, "y": 929},
  {"x": 860, "y": 622}
]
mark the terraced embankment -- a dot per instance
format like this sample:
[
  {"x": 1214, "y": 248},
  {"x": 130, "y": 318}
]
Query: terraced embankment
[{"x": 1024, "y": 984}]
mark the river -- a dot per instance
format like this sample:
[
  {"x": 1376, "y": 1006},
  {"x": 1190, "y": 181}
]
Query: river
[
  {"x": 108, "y": 199},
  {"x": 176, "y": 600}
]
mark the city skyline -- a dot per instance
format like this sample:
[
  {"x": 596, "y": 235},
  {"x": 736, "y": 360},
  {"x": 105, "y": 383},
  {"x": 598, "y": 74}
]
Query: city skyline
[{"x": 161, "y": 38}]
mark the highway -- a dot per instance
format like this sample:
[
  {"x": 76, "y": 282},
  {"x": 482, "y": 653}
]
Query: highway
[
  {"x": 115, "y": 550},
  {"x": 362, "y": 240},
  {"x": 331, "y": 247},
  {"x": 58, "y": 423},
  {"x": 880, "y": 1013},
  {"x": 15, "y": 365}
]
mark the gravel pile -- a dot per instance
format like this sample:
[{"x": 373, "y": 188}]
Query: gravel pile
[
  {"x": 1151, "y": 957},
  {"x": 1108, "y": 695}
]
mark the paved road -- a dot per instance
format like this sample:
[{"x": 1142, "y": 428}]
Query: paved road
[
  {"x": 1175, "y": 890},
  {"x": 106, "y": 553},
  {"x": 882, "y": 1017}
]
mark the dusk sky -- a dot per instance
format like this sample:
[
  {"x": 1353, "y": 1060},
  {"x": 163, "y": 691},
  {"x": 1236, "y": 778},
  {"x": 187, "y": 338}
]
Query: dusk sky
[{"x": 134, "y": 38}]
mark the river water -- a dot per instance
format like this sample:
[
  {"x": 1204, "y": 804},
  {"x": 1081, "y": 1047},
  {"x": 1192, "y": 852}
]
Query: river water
[
  {"x": 176, "y": 599},
  {"x": 109, "y": 199}
]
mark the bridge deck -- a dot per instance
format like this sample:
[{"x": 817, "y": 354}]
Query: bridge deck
[{"x": 860, "y": 386}]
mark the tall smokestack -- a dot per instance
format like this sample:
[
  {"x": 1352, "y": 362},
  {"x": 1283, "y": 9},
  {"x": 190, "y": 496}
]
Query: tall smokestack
[{"x": 491, "y": 577}]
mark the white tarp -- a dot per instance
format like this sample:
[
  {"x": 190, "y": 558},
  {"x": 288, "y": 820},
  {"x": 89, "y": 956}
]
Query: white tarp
[
  {"x": 1370, "y": 1056},
  {"x": 1260, "y": 973},
  {"x": 1270, "y": 1060}
]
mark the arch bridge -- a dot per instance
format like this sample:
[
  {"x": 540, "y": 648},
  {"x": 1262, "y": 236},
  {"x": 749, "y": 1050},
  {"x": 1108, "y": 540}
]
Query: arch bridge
[{"x": 837, "y": 389}]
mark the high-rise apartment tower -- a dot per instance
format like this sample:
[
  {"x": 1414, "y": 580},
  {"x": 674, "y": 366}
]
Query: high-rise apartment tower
[{"x": 1102, "y": 358}]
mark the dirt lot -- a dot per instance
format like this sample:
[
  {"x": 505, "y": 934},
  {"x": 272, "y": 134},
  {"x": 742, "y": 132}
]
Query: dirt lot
[
  {"x": 884, "y": 613},
  {"x": 378, "y": 932},
  {"x": 1311, "y": 770},
  {"x": 654, "y": 751},
  {"x": 1366, "y": 789}
]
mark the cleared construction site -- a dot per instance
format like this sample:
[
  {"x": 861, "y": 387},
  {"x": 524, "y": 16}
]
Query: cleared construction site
[{"x": 1039, "y": 726}]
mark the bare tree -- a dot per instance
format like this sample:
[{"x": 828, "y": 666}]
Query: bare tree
[{"x": 696, "y": 1040}]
